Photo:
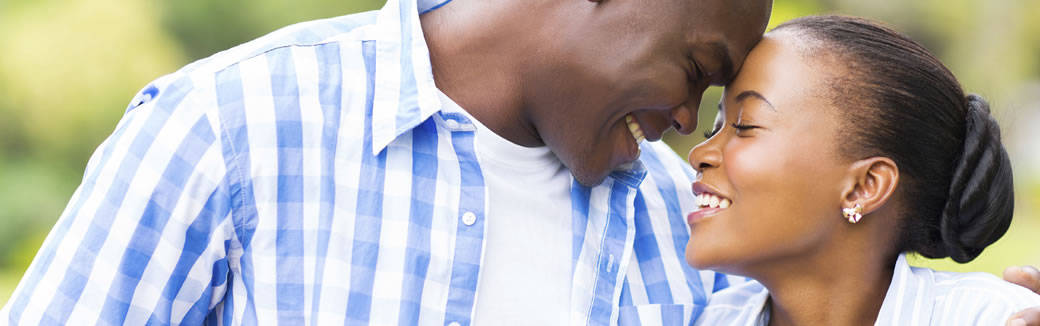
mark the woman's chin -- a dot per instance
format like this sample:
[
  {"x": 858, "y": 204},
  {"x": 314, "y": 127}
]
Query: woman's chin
[
  {"x": 698, "y": 264},
  {"x": 714, "y": 260},
  {"x": 700, "y": 258}
]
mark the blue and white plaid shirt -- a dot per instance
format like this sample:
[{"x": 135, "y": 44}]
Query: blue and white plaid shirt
[{"x": 310, "y": 177}]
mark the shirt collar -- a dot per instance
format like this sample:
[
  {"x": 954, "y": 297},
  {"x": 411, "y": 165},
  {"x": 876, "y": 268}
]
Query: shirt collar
[
  {"x": 405, "y": 94},
  {"x": 906, "y": 302},
  {"x": 631, "y": 174}
]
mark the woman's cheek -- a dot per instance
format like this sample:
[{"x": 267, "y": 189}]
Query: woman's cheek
[
  {"x": 748, "y": 164},
  {"x": 766, "y": 188}
]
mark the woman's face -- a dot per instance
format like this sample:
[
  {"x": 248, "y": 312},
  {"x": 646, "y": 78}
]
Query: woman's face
[{"x": 773, "y": 163}]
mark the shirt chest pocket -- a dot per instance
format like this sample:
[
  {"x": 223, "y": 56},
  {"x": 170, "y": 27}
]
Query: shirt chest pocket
[{"x": 658, "y": 314}]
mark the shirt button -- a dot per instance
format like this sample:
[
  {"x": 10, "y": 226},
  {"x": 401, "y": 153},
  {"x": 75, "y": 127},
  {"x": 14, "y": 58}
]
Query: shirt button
[
  {"x": 469, "y": 218},
  {"x": 454, "y": 323},
  {"x": 451, "y": 124}
]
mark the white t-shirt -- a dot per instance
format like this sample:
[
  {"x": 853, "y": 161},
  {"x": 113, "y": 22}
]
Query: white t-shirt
[{"x": 525, "y": 278}]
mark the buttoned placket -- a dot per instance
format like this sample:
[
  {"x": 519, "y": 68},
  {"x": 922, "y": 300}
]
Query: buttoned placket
[
  {"x": 598, "y": 284},
  {"x": 472, "y": 221}
]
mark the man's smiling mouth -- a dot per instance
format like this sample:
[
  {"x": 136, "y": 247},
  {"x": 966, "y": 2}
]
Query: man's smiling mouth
[{"x": 633, "y": 127}]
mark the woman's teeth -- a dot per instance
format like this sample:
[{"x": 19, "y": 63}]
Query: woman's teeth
[
  {"x": 633, "y": 127},
  {"x": 709, "y": 200}
]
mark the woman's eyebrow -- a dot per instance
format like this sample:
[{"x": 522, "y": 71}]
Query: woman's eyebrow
[{"x": 750, "y": 93}]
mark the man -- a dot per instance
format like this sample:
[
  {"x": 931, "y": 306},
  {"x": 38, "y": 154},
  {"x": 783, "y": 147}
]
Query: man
[{"x": 472, "y": 164}]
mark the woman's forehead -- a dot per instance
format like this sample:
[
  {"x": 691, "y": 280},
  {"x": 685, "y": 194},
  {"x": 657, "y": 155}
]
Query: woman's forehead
[{"x": 776, "y": 71}]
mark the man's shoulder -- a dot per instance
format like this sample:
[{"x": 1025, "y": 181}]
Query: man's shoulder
[
  {"x": 232, "y": 88},
  {"x": 214, "y": 74},
  {"x": 303, "y": 34}
]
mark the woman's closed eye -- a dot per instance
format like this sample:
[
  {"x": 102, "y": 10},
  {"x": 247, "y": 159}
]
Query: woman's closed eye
[{"x": 742, "y": 129}]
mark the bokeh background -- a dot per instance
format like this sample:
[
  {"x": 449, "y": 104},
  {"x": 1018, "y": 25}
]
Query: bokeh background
[{"x": 68, "y": 68}]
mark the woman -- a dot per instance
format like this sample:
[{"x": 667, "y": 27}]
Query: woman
[{"x": 841, "y": 146}]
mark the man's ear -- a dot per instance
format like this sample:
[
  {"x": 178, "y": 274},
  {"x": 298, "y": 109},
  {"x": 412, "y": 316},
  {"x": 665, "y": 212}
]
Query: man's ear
[{"x": 871, "y": 182}]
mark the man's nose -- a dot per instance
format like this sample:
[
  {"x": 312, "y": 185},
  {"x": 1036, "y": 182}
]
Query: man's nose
[{"x": 684, "y": 117}]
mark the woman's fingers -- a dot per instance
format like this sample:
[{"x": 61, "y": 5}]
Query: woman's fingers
[
  {"x": 1027, "y": 276},
  {"x": 1028, "y": 317}
]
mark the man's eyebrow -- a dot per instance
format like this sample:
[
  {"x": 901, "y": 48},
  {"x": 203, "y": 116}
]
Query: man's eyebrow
[{"x": 750, "y": 93}]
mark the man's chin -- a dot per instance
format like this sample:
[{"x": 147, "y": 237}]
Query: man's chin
[
  {"x": 589, "y": 168},
  {"x": 588, "y": 178}
]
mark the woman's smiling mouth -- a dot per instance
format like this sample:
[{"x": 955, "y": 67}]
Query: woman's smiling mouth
[{"x": 708, "y": 201}]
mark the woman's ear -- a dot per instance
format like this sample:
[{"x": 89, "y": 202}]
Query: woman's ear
[{"x": 872, "y": 181}]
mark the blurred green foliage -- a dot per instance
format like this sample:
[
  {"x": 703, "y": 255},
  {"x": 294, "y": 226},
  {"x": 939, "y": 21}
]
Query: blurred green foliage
[
  {"x": 191, "y": 23},
  {"x": 68, "y": 68}
]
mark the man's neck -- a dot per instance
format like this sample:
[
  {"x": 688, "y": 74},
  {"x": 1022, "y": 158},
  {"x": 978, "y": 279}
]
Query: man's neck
[
  {"x": 832, "y": 291},
  {"x": 478, "y": 49}
]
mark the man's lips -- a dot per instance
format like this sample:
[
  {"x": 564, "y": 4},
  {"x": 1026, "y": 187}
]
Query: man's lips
[
  {"x": 650, "y": 129},
  {"x": 628, "y": 151},
  {"x": 638, "y": 132}
]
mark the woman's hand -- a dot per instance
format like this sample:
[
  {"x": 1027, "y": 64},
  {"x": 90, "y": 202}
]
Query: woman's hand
[
  {"x": 1029, "y": 277},
  {"x": 1028, "y": 317}
]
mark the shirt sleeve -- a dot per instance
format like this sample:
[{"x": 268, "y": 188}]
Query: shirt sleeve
[{"x": 145, "y": 237}]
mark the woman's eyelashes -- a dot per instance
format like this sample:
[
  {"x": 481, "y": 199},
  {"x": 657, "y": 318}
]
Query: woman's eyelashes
[
  {"x": 711, "y": 133},
  {"x": 714, "y": 129},
  {"x": 741, "y": 129}
]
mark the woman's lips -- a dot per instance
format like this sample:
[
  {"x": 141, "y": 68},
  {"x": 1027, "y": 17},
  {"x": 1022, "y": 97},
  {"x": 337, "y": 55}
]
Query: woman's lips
[
  {"x": 701, "y": 214},
  {"x": 708, "y": 201}
]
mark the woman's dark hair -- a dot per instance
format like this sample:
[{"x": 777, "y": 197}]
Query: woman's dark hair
[{"x": 900, "y": 102}]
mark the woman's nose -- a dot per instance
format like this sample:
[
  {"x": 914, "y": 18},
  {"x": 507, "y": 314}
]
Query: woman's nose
[{"x": 705, "y": 155}]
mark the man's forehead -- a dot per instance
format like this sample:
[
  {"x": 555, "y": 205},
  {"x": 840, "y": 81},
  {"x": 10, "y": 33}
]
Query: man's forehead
[
  {"x": 722, "y": 55},
  {"x": 727, "y": 30}
]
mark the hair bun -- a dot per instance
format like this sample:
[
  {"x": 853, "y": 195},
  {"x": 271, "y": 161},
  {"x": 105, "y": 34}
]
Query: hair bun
[{"x": 980, "y": 202}]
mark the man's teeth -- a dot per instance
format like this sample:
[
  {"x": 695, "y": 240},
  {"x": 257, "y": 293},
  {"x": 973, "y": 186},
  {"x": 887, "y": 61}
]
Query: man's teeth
[
  {"x": 709, "y": 200},
  {"x": 633, "y": 127}
]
